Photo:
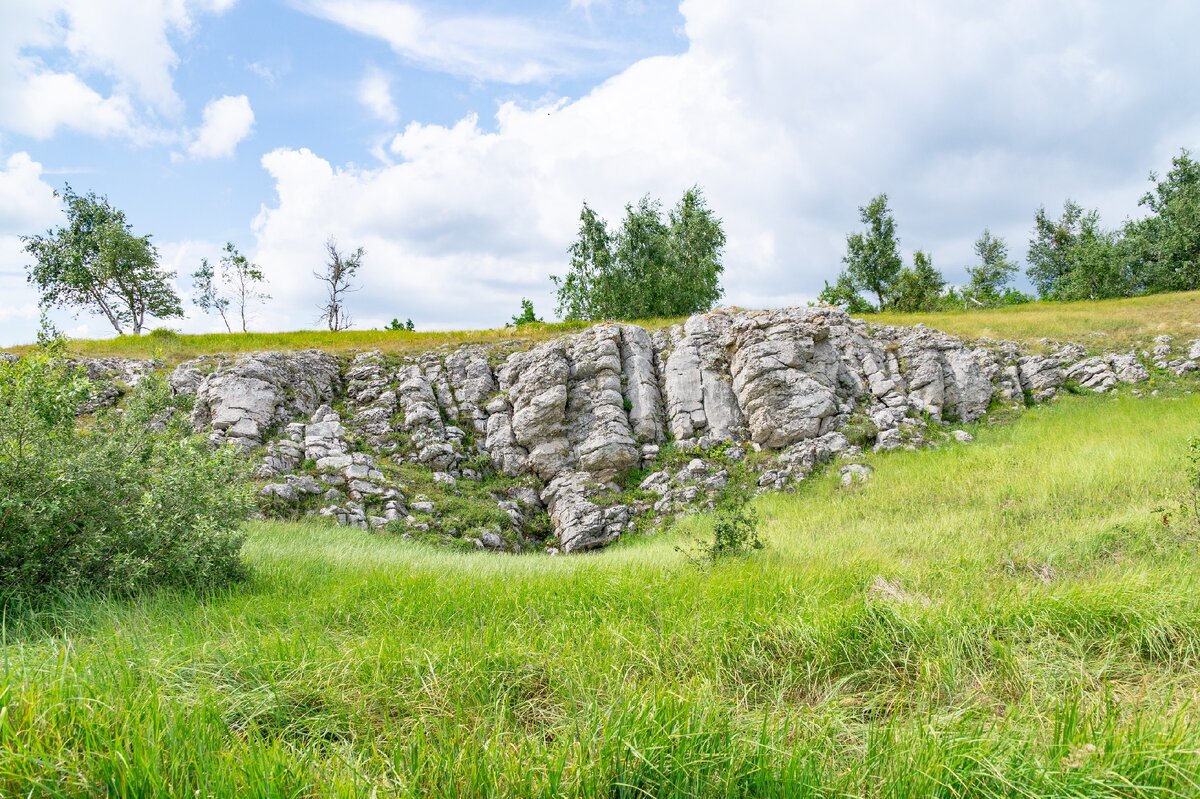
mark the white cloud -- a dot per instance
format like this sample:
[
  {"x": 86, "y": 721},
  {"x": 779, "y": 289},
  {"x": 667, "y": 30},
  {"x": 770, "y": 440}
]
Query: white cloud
[
  {"x": 27, "y": 206},
  {"x": 227, "y": 121},
  {"x": 493, "y": 48},
  {"x": 375, "y": 93},
  {"x": 790, "y": 115},
  {"x": 129, "y": 42}
]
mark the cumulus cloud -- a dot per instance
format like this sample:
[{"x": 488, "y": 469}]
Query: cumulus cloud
[
  {"x": 375, "y": 93},
  {"x": 126, "y": 41},
  {"x": 790, "y": 116},
  {"x": 492, "y": 48},
  {"x": 227, "y": 121},
  {"x": 27, "y": 206}
]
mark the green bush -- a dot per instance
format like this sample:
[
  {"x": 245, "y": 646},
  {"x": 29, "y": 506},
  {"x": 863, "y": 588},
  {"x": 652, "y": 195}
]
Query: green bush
[{"x": 130, "y": 501}]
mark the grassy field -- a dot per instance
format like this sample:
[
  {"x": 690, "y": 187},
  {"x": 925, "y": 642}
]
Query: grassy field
[
  {"x": 1102, "y": 325},
  {"x": 1006, "y": 618},
  {"x": 1106, "y": 325}
]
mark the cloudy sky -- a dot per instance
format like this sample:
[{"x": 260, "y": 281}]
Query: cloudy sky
[{"x": 455, "y": 140}]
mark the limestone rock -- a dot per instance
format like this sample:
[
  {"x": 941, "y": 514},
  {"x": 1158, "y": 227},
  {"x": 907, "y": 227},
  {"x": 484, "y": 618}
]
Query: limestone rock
[{"x": 579, "y": 522}]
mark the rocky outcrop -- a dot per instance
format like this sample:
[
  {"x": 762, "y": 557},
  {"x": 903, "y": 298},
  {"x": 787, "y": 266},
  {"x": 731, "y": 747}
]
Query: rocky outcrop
[
  {"x": 573, "y": 416},
  {"x": 240, "y": 401}
]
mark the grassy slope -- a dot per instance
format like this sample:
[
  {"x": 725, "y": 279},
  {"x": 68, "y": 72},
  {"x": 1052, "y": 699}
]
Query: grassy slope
[
  {"x": 353, "y": 662},
  {"x": 1106, "y": 325},
  {"x": 1102, "y": 325}
]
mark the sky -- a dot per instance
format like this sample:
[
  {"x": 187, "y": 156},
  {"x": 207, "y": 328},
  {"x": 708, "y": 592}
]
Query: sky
[{"x": 455, "y": 141}]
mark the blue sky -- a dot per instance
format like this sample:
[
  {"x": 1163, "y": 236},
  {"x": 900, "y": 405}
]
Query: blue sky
[{"x": 455, "y": 141}]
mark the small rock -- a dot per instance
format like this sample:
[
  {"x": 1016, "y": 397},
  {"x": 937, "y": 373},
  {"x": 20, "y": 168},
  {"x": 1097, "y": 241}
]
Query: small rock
[{"x": 962, "y": 436}]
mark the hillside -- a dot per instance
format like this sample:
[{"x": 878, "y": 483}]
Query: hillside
[
  {"x": 1031, "y": 630},
  {"x": 1109, "y": 325}
]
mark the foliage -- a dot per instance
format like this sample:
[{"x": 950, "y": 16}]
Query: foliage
[
  {"x": 407, "y": 325},
  {"x": 990, "y": 278},
  {"x": 526, "y": 316},
  {"x": 1074, "y": 258},
  {"x": 844, "y": 294},
  {"x": 1164, "y": 248},
  {"x": 873, "y": 257},
  {"x": 96, "y": 264},
  {"x": 235, "y": 285},
  {"x": 118, "y": 506},
  {"x": 734, "y": 524},
  {"x": 337, "y": 278},
  {"x": 919, "y": 287},
  {"x": 651, "y": 267}
]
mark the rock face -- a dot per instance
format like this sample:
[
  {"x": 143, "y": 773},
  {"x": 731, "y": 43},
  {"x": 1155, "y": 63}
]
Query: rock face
[
  {"x": 571, "y": 417},
  {"x": 242, "y": 400}
]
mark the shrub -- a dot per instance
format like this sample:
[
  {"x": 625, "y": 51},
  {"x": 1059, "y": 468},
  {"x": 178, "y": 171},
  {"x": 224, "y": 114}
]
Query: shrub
[
  {"x": 132, "y": 501},
  {"x": 735, "y": 525}
]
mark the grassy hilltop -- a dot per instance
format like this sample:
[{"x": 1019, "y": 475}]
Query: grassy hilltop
[
  {"x": 1010, "y": 617},
  {"x": 1103, "y": 325}
]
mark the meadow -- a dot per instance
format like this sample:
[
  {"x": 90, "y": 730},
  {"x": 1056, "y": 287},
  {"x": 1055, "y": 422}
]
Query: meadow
[
  {"x": 1101, "y": 326},
  {"x": 1019, "y": 616}
]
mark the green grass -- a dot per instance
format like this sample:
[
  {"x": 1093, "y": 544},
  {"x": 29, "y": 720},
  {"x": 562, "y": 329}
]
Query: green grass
[
  {"x": 1102, "y": 326},
  {"x": 1044, "y": 639}
]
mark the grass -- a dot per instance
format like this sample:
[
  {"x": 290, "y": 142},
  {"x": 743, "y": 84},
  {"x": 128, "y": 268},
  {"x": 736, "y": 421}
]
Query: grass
[
  {"x": 1034, "y": 629},
  {"x": 1101, "y": 326}
]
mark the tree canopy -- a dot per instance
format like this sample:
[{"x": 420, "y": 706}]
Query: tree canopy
[
  {"x": 96, "y": 264},
  {"x": 650, "y": 267}
]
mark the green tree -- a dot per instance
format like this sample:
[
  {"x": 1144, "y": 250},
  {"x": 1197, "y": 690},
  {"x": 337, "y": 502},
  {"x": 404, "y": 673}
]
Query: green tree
[
  {"x": 236, "y": 285},
  {"x": 991, "y": 277},
  {"x": 396, "y": 324},
  {"x": 651, "y": 267},
  {"x": 873, "y": 257},
  {"x": 526, "y": 316},
  {"x": 844, "y": 295},
  {"x": 96, "y": 264},
  {"x": 1074, "y": 258},
  {"x": 1164, "y": 248},
  {"x": 918, "y": 288}
]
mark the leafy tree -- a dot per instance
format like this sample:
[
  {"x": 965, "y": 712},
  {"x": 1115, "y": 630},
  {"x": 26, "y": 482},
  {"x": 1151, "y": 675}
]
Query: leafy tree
[
  {"x": 235, "y": 285},
  {"x": 395, "y": 324},
  {"x": 96, "y": 264},
  {"x": 337, "y": 278},
  {"x": 526, "y": 316},
  {"x": 844, "y": 294},
  {"x": 588, "y": 288},
  {"x": 992, "y": 276},
  {"x": 873, "y": 257},
  {"x": 650, "y": 267},
  {"x": 919, "y": 288},
  {"x": 1074, "y": 258},
  {"x": 1165, "y": 247}
]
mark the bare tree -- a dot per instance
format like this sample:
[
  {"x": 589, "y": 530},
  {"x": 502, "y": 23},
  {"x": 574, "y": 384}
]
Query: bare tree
[{"x": 336, "y": 277}]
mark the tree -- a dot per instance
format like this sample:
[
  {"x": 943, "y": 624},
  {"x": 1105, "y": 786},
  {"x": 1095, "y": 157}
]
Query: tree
[
  {"x": 337, "y": 277},
  {"x": 844, "y": 295},
  {"x": 650, "y": 267},
  {"x": 873, "y": 258},
  {"x": 395, "y": 325},
  {"x": 993, "y": 274},
  {"x": 236, "y": 285},
  {"x": 1074, "y": 258},
  {"x": 96, "y": 264},
  {"x": 919, "y": 288},
  {"x": 526, "y": 316},
  {"x": 1165, "y": 247}
]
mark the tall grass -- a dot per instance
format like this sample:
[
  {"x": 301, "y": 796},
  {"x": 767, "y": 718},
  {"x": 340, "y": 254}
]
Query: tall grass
[{"x": 1039, "y": 635}]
